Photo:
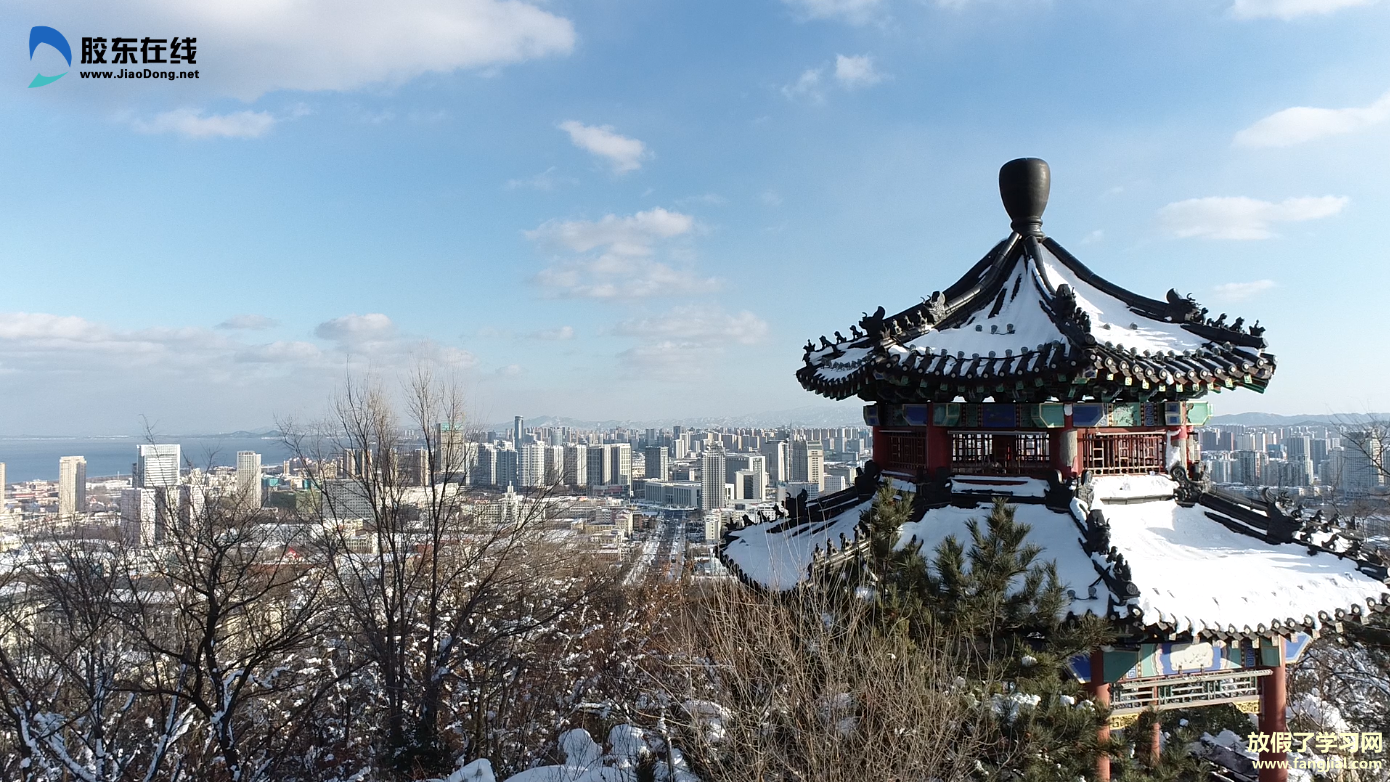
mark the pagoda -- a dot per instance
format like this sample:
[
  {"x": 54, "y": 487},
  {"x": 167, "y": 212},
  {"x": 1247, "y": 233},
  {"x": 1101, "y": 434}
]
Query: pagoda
[{"x": 1034, "y": 379}]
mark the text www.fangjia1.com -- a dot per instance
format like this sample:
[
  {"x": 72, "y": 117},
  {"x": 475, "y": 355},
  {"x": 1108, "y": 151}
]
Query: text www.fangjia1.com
[{"x": 139, "y": 73}]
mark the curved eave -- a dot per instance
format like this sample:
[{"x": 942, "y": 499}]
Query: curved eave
[{"x": 890, "y": 368}]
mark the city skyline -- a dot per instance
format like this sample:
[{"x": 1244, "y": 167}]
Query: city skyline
[{"x": 510, "y": 199}]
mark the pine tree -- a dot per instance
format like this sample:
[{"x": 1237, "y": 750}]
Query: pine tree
[{"x": 999, "y": 605}]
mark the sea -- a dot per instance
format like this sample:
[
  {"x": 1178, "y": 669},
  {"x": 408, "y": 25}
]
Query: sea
[{"x": 36, "y": 458}]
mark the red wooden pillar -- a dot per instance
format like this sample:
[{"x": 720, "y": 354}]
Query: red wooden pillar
[
  {"x": 1100, "y": 693},
  {"x": 880, "y": 449},
  {"x": 938, "y": 449},
  {"x": 1273, "y": 701}
]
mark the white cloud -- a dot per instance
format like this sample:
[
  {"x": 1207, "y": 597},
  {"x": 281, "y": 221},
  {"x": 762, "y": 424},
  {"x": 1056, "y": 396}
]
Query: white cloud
[
  {"x": 806, "y": 86},
  {"x": 685, "y": 343},
  {"x": 246, "y": 49},
  {"x": 1289, "y": 9},
  {"x": 1240, "y": 291},
  {"x": 622, "y": 153},
  {"x": 194, "y": 124},
  {"x": 623, "y": 267},
  {"x": 632, "y": 235},
  {"x": 1242, "y": 218},
  {"x": 702, "y": 325},
  {"x": 356, "y": 329},
  {"x": 770, "y": 198},
  {"x": 852, "y": 11},
  {"x": 1304, "y": 123},
  {"x": 855, "y": 72},
  {"x": 248, "y": 322},
  {"x": 279, "y": 352},
  {"x": 555, "y": 335},
  {"x": 850, "y": 73}
]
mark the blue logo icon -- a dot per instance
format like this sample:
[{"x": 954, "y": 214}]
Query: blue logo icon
[{"x": 55, "y": 39}]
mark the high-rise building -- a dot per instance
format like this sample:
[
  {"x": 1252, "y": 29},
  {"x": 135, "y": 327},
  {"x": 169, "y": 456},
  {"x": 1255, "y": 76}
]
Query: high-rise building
[
  {"x": 807, "y": 460},
  {"x": 248, "y": 478},
  {"x": 620, "y": 464},
  {"x": 750, "y": 485},
  {"x": 508, "y": 467},
  {"x": 532, "y": 470},
  {"x": 576, "y": 471},
  {"x": 415, "y": 465},
  {"x": 1362, "y": 460},
  {"x": 518, "y": 428},
  {"x": 598, "y": 466},
  {"x": 138, "y": 514},
  {"x": 157, "y": 466},
  {"x": 554, "y": 464},
  {"x": 775, "y": 458},
  {"x": 453, "y": 457},
  {"x": 735, "y": 462},
  {"x": 658, "y": 463},
  {"x": 1298, "y": 448},
  {"x": 72, "y": 486},
  {"x": 713, "y": 475},
  {"x": 1318, "y": 450},
  {"x": 484, "y": 470}
]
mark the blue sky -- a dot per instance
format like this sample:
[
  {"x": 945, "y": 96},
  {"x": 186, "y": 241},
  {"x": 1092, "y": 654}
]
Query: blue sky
[{"x": 643, "y": 208}]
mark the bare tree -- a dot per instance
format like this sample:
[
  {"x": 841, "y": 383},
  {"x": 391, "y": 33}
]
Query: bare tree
[
  {"x": 64, "y": 686},
  {"x": 223, "y": 621},
  {"x": 437, "y": 587}
]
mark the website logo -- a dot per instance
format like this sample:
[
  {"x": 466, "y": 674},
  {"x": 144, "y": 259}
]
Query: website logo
[{"x": 48, "y": 35}]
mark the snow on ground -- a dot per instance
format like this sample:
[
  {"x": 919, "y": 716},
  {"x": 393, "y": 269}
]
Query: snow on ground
[
  {"x": 586, "y": 761},
  {"x": 1199, "y": 575},
  {"x": 779, "y": 559},
  {"x": 1133, "y": 487},
  {"x": 1057, "y": 534},
  {"x": 644, "y": 561},
  {"x": 997, "y": 484}
]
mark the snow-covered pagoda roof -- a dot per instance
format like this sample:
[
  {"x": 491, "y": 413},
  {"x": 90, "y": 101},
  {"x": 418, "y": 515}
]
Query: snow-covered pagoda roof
[
  {"x": 1029, "y": 323},
  {"x": 1160, "y": 558}
]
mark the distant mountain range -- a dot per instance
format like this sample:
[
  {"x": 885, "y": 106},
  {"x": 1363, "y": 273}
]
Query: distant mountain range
[
  {"x": 1272, "y": 419},
  {"x": 813, "y": 416}
]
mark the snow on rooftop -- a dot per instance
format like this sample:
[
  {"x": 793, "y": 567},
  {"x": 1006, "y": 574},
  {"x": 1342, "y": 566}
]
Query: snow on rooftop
[
  {"x": 779, "y": 560},
  {"x": 1057, "y": 534},
  {"x": 1019, "y": 325},
  {"x": 1198, "y": 575},
  {"x": 1112, "y": 320}
]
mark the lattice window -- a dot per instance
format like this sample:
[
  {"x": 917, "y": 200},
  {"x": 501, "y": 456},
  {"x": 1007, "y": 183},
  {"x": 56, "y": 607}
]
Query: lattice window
[
  {"x": 991, "y": 452},
  {"x": 1112, "y": 453},
  {"x": 905, "y": 449}
]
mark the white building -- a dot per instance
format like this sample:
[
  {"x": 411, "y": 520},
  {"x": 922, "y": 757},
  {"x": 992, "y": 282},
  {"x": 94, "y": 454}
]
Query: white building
[
  {"x": 157, "y": 466},
  {"x": 139, "y": 513},
  {"x": 532, "y": 466},
  {"x": 248, "y": 479},
  {"x": 72, "y": 486},
  {"x": 674, "y": 494}
]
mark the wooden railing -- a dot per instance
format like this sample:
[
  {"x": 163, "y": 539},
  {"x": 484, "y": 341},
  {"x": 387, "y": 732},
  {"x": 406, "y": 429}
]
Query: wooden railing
[
  {"x": 992, "y": 453},
  {"x": 1118, "y": 453}
]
